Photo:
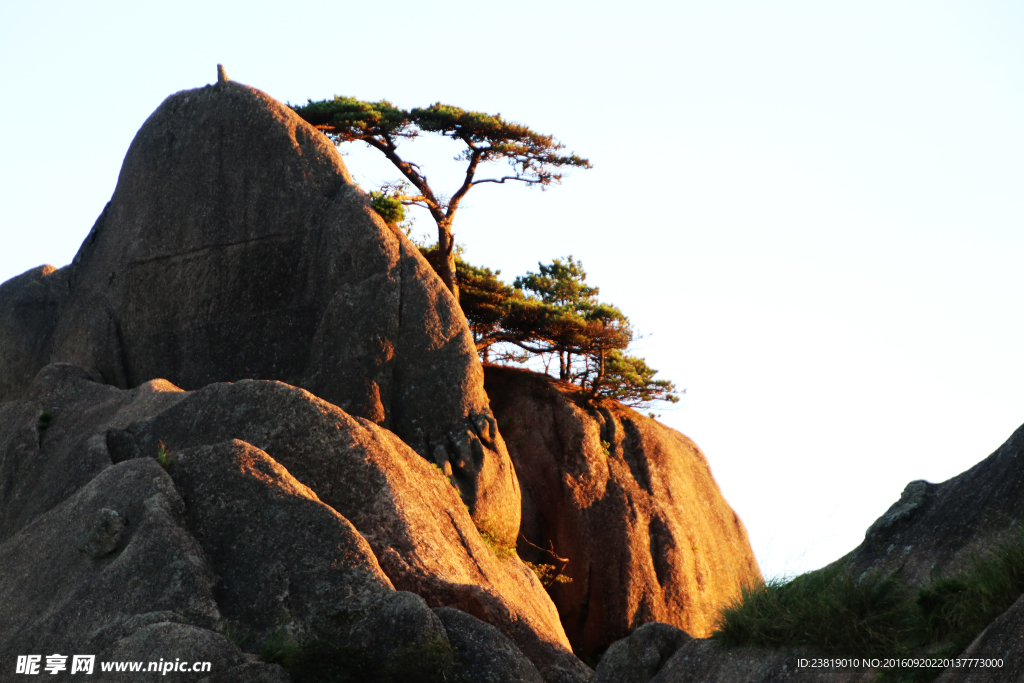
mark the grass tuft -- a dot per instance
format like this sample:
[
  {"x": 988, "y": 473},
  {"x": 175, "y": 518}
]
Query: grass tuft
[
  {"x": 832, "y": 611},
  {"x": 828, "y": 609},
  {"x": 501, "y": 548},
  {"x": 163, "y": 456}
]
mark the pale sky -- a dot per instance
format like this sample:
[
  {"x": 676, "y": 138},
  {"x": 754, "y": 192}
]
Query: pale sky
[{"x": 813, "y": 209}]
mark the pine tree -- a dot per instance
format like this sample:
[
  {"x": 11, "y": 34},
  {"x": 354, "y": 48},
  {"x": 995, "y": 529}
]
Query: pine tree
[{"x": 533, "y": 159}]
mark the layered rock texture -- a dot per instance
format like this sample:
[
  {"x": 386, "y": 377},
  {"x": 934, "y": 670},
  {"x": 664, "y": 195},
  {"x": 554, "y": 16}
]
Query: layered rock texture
[
  {"x": 236, "y": 247},
  {"x": 630, "y": 503}
]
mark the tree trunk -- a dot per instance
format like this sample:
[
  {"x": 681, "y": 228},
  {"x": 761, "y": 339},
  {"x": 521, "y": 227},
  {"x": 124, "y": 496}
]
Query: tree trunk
[
  {"x": 596, "y": 386},
  {"x": 446, "y": 245}
]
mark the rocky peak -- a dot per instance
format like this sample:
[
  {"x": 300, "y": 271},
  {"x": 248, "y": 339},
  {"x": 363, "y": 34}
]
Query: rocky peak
[{"x": 236, "y": 246}]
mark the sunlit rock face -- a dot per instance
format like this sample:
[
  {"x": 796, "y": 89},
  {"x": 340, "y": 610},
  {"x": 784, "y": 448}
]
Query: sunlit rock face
[
  {"x": 629, "y": 502},
  {"x": 236, "y": 246},
  {"x": 254, "y": 504}
]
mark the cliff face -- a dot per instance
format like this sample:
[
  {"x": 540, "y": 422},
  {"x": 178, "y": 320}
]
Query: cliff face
[
  {"x": 631, "y": 504},
  {"x": 235, "y": 246}
]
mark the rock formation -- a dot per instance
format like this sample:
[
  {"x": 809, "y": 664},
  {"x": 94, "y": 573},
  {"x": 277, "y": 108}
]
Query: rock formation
[
  {"x": 937, "y": 528},
  {"x": 247, "y": 425},
  {"x": 630, "y": 503},
  {"x": 235, "y": 246},
  {"x": 294, "y": 514}
]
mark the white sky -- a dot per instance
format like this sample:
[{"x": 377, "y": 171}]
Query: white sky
[{"x": 813, "y": 208}]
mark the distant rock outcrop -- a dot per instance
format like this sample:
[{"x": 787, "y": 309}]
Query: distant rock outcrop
[
  {"x": 284, "y": 514},
  {"x": 29, "y": 304},
  {"x": 236, "y": 246},
  {"x": 937, "y": 528},
  {"x": 631, "y": 504}
]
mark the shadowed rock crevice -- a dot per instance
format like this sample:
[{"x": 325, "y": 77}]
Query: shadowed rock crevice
[{"x": 663, "y": 548}]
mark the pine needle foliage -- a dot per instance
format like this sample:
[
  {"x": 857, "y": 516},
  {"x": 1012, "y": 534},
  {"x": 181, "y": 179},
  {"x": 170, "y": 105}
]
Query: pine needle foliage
[
  {"x": 555, "y": 315},
  {"x": 532, "y": 158}
]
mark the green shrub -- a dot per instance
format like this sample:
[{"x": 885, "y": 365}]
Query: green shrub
[
  {"x": 548, "y": 574},
  {"x": 389, "y": 208}
]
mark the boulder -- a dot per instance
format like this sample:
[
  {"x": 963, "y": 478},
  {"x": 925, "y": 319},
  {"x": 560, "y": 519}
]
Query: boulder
[
  {"x": 639, "y": 657},
  {"x": 413, "y": 518},
  {"x": 62, "y": 592},
  {"x": 54, "y": 442},
  {"x": 181, "y": 647},
  {"x": 484, "y": 654},
  {"x": 236, "y": 246},
  {"x": 160, "y": 558},
  {"x": 292, "y": 503},
  {"x": 937, "y": 528},
  {"x": 629, "y": 503},
  {"x": 287, "y": 564}
]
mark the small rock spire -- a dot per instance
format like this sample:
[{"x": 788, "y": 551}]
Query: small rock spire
[{"x": 222, "y": 77}]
